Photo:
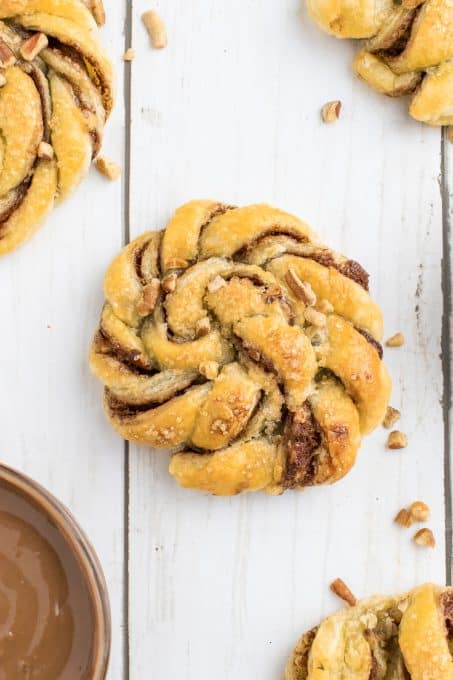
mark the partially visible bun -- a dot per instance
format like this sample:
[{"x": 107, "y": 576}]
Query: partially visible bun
[
  {"x": 55, "y": 97},
  {"x": 407, "y": 637},
  {"x": 409, "y": 49}
]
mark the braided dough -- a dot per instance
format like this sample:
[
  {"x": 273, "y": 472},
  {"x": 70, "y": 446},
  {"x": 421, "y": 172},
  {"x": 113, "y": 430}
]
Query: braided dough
[
  {"x": 408, "y": 49},
  {"x": 408, "y": 637},
  {"x": 203, "y": 344},
  {"x": 62, "y": 98}
]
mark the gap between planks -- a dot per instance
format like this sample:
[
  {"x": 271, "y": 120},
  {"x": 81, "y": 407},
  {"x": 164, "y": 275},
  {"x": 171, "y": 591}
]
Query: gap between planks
[
  {"x": 126, "y": 238},
  {"x": 446, "y": 347}
]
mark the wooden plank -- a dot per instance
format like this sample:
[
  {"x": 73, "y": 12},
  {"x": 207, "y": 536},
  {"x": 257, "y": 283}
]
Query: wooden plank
[
  {"x": 230, "y": 110},
  {"x": 52, "y": 425}
]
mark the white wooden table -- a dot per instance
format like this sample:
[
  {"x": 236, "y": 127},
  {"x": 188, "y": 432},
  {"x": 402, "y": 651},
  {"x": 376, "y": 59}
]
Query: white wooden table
[{"x": 205, "y": 587}]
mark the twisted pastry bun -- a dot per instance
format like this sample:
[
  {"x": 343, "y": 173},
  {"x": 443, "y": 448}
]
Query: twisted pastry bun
[
  {"x": 238, "y": 336},
  {"x": 55, "y": 96},
  {"x": 408, "y": 49},
  {"x": 407, "y": 637}
]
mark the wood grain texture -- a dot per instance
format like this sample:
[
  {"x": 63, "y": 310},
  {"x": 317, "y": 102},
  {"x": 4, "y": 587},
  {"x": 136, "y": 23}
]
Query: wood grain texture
[
  {"x": 230, "y": 110},
  {"x": 52, "y": 425}
]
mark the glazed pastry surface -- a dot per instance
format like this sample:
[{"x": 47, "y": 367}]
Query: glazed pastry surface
[
  {"x": 53, "y": 107},
  {"x": 408, "y": 49},
  {"x": 407, "y": 637},
  {"x": 208, "y": 344}
]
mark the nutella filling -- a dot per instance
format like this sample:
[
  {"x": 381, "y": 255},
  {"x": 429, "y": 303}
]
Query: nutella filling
[
  {"x": 46, "y": 616},
  {"x": 303, "y": 439},
  {"x": 446, "y": 602},
  {"x": 369, "y": 338},
  {"x": 386, "y": 659}
]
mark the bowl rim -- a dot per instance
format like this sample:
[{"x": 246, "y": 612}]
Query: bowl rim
[{"x": 85, "y": 554}]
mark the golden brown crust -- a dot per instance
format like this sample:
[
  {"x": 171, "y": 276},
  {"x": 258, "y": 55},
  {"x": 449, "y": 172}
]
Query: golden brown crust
[
  {"x": 203, "y": 345},
  {"x": 404, "y": 638},
  {"x": 56, "y": 97},
  {"x": 424, "y": 637},
  {"x": 410, "y": 49}
]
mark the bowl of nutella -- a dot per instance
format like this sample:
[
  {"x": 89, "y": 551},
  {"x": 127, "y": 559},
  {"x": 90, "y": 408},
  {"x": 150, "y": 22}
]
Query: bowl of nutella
[{"x": 54, "y": 608}]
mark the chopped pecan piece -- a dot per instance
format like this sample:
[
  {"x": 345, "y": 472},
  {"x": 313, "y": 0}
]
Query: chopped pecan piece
[
  {"x": 108, "y": 168},
  {"x": 419, "y": 511},
  {"x": 129, "y": 54},
  {"x": 301, "y": 289},
  {"x": 156, "y": 29},
  {"x": 150, "y": 295},
  {"x": 340, "y": 588},
  {"x": 397, "y": 440},
  {"x": 396, "y": 340},
  {"x": 330, "y": 112},
  {"x": 202, "y": 327},
  {"x": 210, "y": 369},
  {"x": 30, "y": 49},
  {"x": 45, "y": 151},
  {"x": 169, "y": 283},
  {"x": 404, "y": 518},
  {"x": 391, "y": 417},
  {"x": 216, "y": 283},
  {"x": 425, "y": 538}
]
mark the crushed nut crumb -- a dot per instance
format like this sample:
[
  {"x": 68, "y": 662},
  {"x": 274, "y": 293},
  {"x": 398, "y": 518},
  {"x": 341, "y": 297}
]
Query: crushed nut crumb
[
  {"x": 169, "y": 283},
  {"x": 340, "y": 588},
  {"x": 403, "y": 605},
  {"x": 425, "y": 538},
  {"x": 45, "y": 151},
  {"x": 108, "y": 168},
  {"x": 301, "y": 289},
  {"x": 156, "y": 29},
  {"x": 330, "y": 112},
  {"x": 397, "y": 440},
  {"x": 391, "y": 417},
  {"x": 219, "y": 425},
  {"x": 3, "y": 80},
  {"x": 167, "y": 433},
  {"x": 30, "y": 49},
  {"x": 210, "y": 369},
  {"x": 129, "y": 55},
  {"x": 420, "y": 512},
  {"x": 396, "y": 340},
  {"x": 404, "y": 518},
  {"x": 150, "y": 294}
]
